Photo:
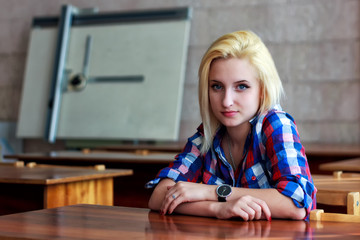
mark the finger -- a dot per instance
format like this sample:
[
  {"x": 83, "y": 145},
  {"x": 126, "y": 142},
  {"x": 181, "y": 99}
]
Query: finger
[
  {"x": 163, "y": 207},
  {"x": 250, "y": 212},
  {"x": 257, "y": 210},
  {"x": 240, "y": 209},
  {"x": 176, "y": 201},
  {"x": 166, "y": 202},
  {"x": 169, "y": 197},
  {"x": 265, "y": 208},
  {"x": 243, "y": 214}
]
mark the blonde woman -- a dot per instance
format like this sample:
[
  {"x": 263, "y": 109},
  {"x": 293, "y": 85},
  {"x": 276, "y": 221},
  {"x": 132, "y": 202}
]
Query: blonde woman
[{"x": 246, "y": 159}]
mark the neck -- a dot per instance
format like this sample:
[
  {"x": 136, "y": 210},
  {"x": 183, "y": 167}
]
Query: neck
[
  {"x": 236, "y": 138},
  {"x": 238, "y": 135}
]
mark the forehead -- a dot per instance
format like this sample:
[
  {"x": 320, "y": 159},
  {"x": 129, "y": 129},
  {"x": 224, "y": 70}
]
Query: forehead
[{"x": 232, "y": 68}]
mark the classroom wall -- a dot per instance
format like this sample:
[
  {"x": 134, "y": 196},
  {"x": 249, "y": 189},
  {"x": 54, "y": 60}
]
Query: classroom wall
[{"x": 315, "y": 45}]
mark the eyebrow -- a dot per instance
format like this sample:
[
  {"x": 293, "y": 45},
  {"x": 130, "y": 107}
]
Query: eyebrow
[{"x": 239, "y": 81}]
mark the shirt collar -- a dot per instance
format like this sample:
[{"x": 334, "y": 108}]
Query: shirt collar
[{"x": 254, "y": 120}]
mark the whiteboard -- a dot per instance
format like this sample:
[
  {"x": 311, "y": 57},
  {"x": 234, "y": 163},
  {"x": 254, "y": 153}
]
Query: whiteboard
[{"x": 121, "y": 110}]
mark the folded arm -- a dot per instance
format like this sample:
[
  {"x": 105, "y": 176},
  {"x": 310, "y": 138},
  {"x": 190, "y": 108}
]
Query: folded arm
[{"x": 201, "y": 200}]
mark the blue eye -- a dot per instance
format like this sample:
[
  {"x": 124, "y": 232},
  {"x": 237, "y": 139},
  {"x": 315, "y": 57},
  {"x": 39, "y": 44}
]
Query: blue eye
[
  {"x": 216, "y": 87},
  {"x": 242, "y": 86}
]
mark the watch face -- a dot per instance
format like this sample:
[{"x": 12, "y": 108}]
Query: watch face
[{"x": 223, "y": 190}]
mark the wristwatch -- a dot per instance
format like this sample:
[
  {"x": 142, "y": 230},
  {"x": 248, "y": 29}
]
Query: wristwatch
[{"x": 223, "y": 191}]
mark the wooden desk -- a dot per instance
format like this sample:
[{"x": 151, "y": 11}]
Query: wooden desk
[
  {"x": 336, "y": 187},
  {"x": 318, "y": 154},
  {"x": 161, "y": 153},
  {"x": 94, "y": 157},
  {"x": 105, "y": 222},
  {"x": 156, "y": 147},
  {"x": 145, "y": 168},
  {"x": 24, "y": 188},
  {"x": 351, "y": 165},
  {"x": 332, "y": 150},
  {"x": 334, "y": 192}
]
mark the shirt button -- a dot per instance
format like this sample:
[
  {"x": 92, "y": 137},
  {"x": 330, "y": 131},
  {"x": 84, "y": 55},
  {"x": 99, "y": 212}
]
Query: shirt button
[{"x": 253, "y": 178}]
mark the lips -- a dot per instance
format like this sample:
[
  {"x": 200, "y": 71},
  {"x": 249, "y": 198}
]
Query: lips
[{"x": 229, "y": 113}]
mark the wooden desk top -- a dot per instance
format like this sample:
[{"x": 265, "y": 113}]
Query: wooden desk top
[
  {"x": 331, "y": 178},
  {"x": 348, "y": 183},
  {"x": 97, "y": 157},
  {"x": 159, "y": 147},
  {"x": 314, "y": 149},
  {"x": 351, "y": 165},
  {"x": 55, "y": 175},
  {"x": 164, "y": 153},
  {"x": 338, "y": 186},
  {"x": 331, "y": 150},
  {"x": 106, "y": 222}
]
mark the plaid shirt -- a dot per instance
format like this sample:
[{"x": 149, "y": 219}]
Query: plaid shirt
[{"x": 274, "y": 158}]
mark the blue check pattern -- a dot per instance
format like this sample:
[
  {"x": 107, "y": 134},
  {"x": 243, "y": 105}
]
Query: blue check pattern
[{"x": 274, "y": 158}]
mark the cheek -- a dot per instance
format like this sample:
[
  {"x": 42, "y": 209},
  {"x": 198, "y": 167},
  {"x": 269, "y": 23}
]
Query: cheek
[
  {"x": 212, "y": 99},
  {"x": 251, "y": 99},
  {"x": 213, "y": 102},
  {"x": 258, "y": 102}
]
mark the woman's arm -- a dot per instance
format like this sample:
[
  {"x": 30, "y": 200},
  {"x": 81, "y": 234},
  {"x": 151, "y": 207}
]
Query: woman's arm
[
  {"x": 158, "y": 195},
  {"x": 201, "y": 200},
  {"x": 280, "y": 205},
  {"x": 167, "y": 195},
  {"x": 290, "y": 172},
  {"x": 157, "y": 202},
  {"x": 247, "y": 208}
]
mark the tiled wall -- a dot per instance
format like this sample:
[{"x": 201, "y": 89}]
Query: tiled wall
[{"x": 315, "y": 44}]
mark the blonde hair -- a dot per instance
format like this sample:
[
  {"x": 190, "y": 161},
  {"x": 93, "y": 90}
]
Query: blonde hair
[{"x": 243, "y": 45}]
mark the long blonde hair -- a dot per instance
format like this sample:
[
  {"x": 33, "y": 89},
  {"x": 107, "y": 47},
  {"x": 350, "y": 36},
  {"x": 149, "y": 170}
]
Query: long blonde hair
[{"x": 240, "y": 44}]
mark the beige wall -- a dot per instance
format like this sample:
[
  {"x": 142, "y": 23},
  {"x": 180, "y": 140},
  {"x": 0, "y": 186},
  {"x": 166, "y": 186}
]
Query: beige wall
[{"x": 315, "y": 44}]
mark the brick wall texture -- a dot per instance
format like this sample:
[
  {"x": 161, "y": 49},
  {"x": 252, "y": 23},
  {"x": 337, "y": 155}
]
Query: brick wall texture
[{"x": 314, "y": 43}]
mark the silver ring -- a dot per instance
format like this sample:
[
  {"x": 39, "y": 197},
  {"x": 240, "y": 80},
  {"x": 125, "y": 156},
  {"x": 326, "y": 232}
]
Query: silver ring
[{"x": 173, "y": 196}]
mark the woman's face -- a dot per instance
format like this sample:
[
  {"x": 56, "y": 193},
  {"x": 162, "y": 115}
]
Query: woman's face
[{"x": 234, "y": 91}]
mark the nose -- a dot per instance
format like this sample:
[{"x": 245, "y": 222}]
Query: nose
[{"x": 228, "y": 98}]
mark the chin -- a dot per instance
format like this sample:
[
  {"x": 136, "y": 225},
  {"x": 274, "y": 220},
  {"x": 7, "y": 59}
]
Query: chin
[
  {"x": 230, "y": 125},
  {"x": 233, "y": 124}
]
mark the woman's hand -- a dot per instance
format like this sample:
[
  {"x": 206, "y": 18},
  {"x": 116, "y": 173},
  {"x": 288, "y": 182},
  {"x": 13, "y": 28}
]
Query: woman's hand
[
  {"x": 246, "y": 207},
  {"x": 183, "y": 192}
]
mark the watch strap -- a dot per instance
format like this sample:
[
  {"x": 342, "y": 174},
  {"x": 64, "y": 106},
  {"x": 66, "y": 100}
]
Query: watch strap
[{"x": 221, "y": 199}]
